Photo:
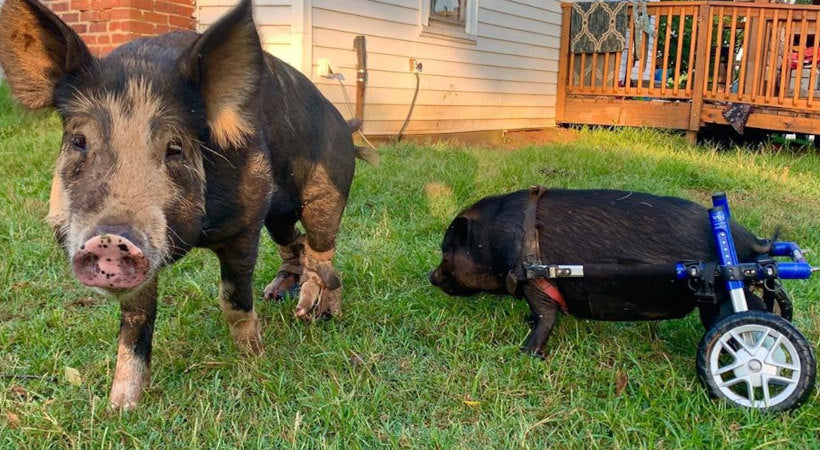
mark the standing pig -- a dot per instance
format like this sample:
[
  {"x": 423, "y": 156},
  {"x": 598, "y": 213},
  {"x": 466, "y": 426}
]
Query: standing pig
[
  {"x": 484, "y": 251},
  {"x": 178, "y": 141}
]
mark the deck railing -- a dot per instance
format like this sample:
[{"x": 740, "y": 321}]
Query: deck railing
[
  {"x": 701, "y": 52},
  {"x": 631, "y": 72},
  {"x": 769, "y": 53}
]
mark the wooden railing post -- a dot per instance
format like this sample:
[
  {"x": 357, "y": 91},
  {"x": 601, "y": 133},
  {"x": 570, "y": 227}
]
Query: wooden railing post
[
  {"x": 563, "y": 64},
  {"x": 701, "y": 59}
]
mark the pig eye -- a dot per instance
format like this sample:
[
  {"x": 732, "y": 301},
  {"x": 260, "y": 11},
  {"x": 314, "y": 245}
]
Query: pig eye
[
  {"x": 78, "y": 142},
  {"x": 174, "y": 149}
]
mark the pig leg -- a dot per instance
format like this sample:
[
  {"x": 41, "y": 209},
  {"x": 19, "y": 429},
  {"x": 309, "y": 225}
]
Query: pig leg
[
  {"x": 133, "y": 372},
  {"x": 291, "y": 247},
  {"x": 321, "y": 291},
  {"x": 237, "y": 258},
  {"x": 543, "y": 316}
]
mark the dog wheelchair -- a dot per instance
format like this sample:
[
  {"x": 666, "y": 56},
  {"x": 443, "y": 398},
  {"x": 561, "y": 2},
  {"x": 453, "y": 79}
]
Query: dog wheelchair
[{"x": 751, "y": 354}]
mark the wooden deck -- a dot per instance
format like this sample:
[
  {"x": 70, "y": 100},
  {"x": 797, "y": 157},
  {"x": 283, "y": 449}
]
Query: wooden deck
[{"x": 702, "y": 57}]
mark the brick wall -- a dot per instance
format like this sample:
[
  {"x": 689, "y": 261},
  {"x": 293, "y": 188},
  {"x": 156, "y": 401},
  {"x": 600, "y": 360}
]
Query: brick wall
[{"x": 105, "y": 24}]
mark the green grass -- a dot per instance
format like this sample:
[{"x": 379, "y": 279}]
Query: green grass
[{"x": 436, "y": 371}]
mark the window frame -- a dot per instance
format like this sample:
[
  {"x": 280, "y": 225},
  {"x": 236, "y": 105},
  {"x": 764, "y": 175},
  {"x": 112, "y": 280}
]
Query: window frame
[{"x": 443, "y": 28}]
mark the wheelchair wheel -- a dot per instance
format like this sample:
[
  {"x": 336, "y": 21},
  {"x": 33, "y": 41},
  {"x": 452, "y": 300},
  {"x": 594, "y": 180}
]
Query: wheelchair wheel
[
  {"x": 778, "y": 301},
  {"x": 758, "y": 360}
]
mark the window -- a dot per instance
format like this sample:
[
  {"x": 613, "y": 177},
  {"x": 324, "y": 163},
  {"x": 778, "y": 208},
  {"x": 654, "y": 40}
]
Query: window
[
  {"x": 455, "y": 20},
  {"x": 452, "y": 11}
]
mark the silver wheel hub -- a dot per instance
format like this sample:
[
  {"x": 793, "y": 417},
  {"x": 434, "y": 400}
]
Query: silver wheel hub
[{"x": 755, "y": 366}]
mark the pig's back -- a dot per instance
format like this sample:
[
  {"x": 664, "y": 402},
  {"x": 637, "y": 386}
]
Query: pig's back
[{"x": 623, "y": 227}]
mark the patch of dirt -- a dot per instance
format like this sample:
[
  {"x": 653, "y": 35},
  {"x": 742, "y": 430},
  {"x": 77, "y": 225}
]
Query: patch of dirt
[
  {"x": 522, "y": 138},
  {"x": 87, "y": 302}
]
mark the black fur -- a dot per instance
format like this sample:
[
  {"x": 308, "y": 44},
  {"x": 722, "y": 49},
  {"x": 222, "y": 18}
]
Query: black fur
[{"x": 484, "y": 243}]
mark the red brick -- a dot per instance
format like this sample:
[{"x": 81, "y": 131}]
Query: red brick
[
  {"x": 145, "y": 5},
  {"x": 108, "y": 4},
  {"x": 90, "y": 40},
  {"x": 103, "y": 39},
  {"x": 79, "y": 27},
  {"x": 70, "y": 17},
  {"x": 81, "y": 5},
  {"x": 121, "y": 13},
  {"x": 59, "y": 6},
  {"x": 98, "y": 27},
  {"x": 89, "y": 16},
  {"x": 165, "y": 7},
  {"x": 160, "y": 29},
  {"x": 179, "y": 10},
  {"x": 138, "y": 27},
  {"x": 186, "y": 23},
  {"x": 157, "y": 19},
  {"x": 120, "y": 38}
]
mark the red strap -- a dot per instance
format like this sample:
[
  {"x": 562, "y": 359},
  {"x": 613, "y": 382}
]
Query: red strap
[{"x": 552, "y": 292}]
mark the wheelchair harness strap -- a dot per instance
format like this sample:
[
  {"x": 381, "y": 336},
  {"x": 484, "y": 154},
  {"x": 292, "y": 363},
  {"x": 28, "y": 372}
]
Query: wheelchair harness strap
[{"x": 531, "y": 255}]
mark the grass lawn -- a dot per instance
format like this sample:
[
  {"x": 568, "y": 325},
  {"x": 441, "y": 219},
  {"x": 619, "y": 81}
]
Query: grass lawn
[{"x": 406, "y": 365}]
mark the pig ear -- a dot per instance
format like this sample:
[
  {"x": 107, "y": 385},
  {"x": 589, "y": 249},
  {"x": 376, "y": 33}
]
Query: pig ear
[
  {"x": 460, "y": 230},
  {"x": 36, "y": 50},
  {"x": 227, "y": 62}
]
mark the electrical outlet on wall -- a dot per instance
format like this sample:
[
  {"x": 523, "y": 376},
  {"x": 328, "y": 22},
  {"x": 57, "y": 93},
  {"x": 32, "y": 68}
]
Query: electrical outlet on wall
[
  {"x": 415, "y": 65},
  {"x": 324, "y": 68}
]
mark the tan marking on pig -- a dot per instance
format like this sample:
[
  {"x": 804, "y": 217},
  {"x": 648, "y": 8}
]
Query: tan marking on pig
[
  {"x": 132, "y": 374},
  {"x": 229, "y": 81},
  {"x": 322, "y": 206},
  {"x": 130, "y": 378},
  {"x": 255, "y": 187},
  {"x": 58, "y": 205},
  {"x": 314, "y": 257},
  {"x": 139, "y": 186},
  {"x": 228, "y": 127},
  {"x": 245, "y": 327}
]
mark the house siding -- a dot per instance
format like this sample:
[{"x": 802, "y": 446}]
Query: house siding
[
  {"x": 506, "y": 80},
  {"x": 273, "y": 19}
]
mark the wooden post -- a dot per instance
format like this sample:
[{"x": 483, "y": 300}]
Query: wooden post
[
  {"x": 563, "y": 63},
  {"x": 360, "y": 45},
  {"x": 704, "y": 25}
]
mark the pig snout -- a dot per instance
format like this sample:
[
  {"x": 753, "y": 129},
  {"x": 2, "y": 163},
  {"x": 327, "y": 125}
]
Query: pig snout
[
  {"x": 434, "y": 276},
  {"x": 111, "y": 261}
]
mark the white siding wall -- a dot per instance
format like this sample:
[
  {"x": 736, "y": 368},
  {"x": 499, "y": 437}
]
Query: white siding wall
[
  {"x": 505, "y": 80},
  {"x": 273, "y": 17}
]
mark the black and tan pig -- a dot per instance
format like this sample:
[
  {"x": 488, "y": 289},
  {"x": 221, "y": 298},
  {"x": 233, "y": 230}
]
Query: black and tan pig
[{"x": 178, "y": 141}]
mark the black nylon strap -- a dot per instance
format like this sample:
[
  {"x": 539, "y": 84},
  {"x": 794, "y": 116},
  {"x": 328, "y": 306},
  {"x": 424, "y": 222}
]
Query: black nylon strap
[{"x": 530, "y": 253}]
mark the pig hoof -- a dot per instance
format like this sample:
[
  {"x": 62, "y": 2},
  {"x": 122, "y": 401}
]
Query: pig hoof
[
  {"x": 124, "y": 398},
  {"x": 285, "y": 284},
  {"x": 121, "y": 406},
  {"x": 540, "y": 354},
  {"x": 251, "y": 347},
  {"x": 316, "y": 302},
  {"x": 247, "y": 334}
]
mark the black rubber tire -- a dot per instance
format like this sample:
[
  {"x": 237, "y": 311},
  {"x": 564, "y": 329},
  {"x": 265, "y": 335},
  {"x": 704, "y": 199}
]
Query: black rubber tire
[
  {"x": 804, "y": 353},
  {"x": 778, "y": 302}
]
